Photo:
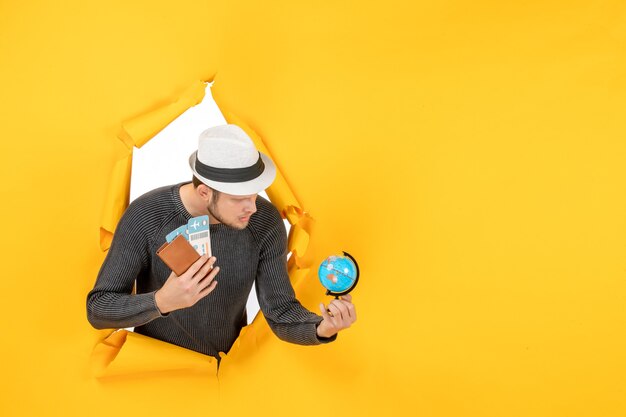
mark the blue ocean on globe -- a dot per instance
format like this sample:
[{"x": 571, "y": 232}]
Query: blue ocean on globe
[{"x": 337, "y": 273}]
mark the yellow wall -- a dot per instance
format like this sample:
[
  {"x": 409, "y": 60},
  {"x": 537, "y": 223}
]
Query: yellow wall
[{"x": 470, "y": 155}]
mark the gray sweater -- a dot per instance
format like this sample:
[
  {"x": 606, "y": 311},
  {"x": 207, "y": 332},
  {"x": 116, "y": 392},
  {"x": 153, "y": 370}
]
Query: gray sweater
[{"x": 256, "y": 254}]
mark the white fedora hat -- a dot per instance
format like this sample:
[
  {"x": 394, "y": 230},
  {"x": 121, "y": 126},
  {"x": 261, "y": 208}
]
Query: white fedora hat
[{"x": 228, "y": 161}]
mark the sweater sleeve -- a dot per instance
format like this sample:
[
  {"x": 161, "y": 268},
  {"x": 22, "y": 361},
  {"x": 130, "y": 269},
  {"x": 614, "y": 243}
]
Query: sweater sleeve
[
  {"x": 287, "y": 318},
  {"x": 111, "y": 304}
]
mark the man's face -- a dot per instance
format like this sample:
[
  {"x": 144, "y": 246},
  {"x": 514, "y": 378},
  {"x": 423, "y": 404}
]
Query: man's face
[{"x": 232, "y": 210}]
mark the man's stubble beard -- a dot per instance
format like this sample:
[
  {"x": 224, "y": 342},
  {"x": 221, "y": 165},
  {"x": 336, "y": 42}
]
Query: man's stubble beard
[{"x": 212, "y": 209}]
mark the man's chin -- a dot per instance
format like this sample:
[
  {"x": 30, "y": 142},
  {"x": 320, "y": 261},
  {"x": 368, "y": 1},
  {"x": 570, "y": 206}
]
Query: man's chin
[{"x": 239, "y": 225}]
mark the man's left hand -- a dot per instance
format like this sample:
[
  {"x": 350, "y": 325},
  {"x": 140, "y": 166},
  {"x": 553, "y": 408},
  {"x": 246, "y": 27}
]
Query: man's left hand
[{"x": 339, "y": 315}]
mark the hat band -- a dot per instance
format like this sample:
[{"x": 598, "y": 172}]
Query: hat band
[{"x": 231, "y": 175}]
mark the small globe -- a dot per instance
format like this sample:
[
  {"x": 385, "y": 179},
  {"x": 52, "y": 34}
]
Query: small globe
[{"x": 338, "y": 274}]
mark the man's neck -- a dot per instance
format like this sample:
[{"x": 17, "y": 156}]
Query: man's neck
[{"x": 193, "y": 204}]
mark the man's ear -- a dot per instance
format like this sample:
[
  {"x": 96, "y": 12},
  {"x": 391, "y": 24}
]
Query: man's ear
[{"x": 204, "y": 192}]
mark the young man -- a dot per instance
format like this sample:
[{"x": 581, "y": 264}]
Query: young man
[{"x": 204, "y": 309}]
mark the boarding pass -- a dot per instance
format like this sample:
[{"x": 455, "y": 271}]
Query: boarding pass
[{"x": 197, "y": 233}]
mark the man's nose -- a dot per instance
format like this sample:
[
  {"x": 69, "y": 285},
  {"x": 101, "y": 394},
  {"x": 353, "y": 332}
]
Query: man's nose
[{"x": 251, "y": 206}]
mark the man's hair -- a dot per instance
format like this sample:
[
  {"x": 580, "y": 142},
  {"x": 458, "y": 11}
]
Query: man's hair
[{"x": 196, "y": 182}]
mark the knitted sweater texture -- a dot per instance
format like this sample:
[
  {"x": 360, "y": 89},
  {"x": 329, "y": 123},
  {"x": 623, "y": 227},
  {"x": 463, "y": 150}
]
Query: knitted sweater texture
[{"x": 255, "y": 255}]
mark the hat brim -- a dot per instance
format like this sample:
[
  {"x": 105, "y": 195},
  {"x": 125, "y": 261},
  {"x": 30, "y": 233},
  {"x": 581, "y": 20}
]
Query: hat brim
[{"x": 254, "y": 186}]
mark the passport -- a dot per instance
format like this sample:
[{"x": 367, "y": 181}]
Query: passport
[{"x": 178, "y": 254}]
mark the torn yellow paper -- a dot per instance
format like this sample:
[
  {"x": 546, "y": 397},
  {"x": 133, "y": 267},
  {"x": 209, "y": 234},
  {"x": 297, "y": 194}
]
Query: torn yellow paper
[
  {"x": 130, "y": 354},
  {"x": 141, "y": 129},
  {"x": 296, "y": 273},
  {"x": 105, "y": 352},
  {"x": 117, "y": 354},
  {"x": 135, "y": 133},
  {"x": 292, "y": 214},
  {"x": 116, "y": 200},
  {"x": 298, "y": 240}
]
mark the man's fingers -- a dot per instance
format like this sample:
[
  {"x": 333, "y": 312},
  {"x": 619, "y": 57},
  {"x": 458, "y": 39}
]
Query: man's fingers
[
  {"x": 207, "y": 290},
  {"x": 335, "y": 313},
  {"x": 343, "y": 310},
  {"x": 325, "y": 314},
  {"x": 347, "y": 301},
  {"x": 204, "y": 270},
  {"x": 195, "y": 267},
  {"x": 207, "y": 280},
  {"x": 338, "y": 315},
  {"x": 352, "y": 311}
]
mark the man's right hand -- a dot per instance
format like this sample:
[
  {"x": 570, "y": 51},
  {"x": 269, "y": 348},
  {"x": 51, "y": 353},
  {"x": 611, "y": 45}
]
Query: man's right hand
[{"x": 186, "y": 290}]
